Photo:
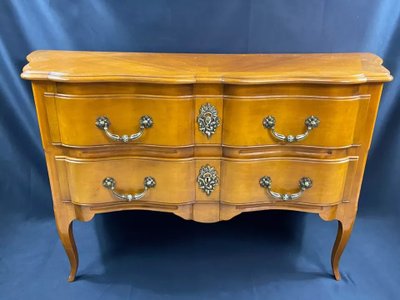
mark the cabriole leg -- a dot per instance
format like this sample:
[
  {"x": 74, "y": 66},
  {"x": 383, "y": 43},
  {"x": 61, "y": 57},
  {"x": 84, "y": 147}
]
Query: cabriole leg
[
  {"x": 65, "y": 231},
  {"x": 342, "y": 237}
]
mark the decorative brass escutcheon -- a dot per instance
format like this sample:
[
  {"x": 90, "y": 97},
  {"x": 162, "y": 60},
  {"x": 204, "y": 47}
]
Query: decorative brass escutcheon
[
  {"x": 207, "y": 179},
  {"x": 208, "y": 119}
]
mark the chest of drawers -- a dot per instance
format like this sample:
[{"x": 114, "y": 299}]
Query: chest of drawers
[{"x": 205, "y": 136}]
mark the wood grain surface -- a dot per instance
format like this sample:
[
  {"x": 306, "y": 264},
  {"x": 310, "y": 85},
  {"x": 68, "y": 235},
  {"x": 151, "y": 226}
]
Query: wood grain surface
[{"x": 75, "y": 66}]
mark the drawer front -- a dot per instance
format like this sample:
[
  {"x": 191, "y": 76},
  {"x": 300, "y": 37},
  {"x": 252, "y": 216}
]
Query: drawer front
[
  {"x": 174, "y": 180},
  {"x": 330, "y": 180},
  {"x": 340, "y": 120},
  {"x": 171, "y": 119}
]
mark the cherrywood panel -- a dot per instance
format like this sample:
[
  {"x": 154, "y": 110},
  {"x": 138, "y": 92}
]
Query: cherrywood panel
[
  {"x": 123, "y": 150},
  {"x": 174, "y": 179},
  {"x": 339, "y": 118},
  {"x": 311, "y": 89},
  {"x": 289, "y": 151},
  {"x": 131, "y": 88},
  {"x": 241, "y": 180},
  {"x": 78, "y": 66},
  {"x": 173, "y": 121}
]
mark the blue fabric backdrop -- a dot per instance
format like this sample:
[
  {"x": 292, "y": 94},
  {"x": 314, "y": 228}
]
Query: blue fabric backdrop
[{"x": 143, "y": 255}]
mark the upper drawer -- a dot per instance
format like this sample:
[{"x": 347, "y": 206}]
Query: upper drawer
[
  {"x": 270, "y": 120},
  {"x": 75, "y": 120}
]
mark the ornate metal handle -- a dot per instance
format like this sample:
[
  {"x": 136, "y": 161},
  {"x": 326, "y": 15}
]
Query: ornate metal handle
[
  {"x": 110, "y": 184},
  {"x": 104, "y": 123},
  {"x": 304, "y": 184},
  {"x": 311, "y": 123}
]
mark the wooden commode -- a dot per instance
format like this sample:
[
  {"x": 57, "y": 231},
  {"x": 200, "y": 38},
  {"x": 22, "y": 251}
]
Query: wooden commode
[{"x": 205, "y": 136}]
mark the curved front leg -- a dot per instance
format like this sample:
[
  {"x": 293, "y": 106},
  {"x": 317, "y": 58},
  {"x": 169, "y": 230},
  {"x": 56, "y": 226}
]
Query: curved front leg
[
  {"x": 65, "y": 231},
  {"x": 345, "y": 228}
]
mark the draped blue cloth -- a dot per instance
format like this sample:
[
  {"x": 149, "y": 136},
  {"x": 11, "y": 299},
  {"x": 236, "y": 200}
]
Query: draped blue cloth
[{"x": 144, "y": 255}]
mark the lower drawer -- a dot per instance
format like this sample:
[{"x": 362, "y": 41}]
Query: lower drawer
[
  {"x": 111, "y": 180},
  {"x": 278, "y": 180},
  {"x": 104, "y": 181}
]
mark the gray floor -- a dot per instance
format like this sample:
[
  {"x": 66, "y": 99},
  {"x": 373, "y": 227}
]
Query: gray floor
[{"x": 144, "y": 255}]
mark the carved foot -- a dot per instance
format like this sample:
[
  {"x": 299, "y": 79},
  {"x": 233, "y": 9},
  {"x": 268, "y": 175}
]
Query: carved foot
[
  {"x": 65, "y": 231},
  {"x": 342, "y": 237}
]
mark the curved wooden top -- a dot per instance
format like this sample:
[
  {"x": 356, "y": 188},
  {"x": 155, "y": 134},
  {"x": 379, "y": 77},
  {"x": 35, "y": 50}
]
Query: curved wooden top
[{"x": 176, "y": 68}]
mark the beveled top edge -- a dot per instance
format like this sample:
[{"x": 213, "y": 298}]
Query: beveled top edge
[{"x": 189, "y": 68}]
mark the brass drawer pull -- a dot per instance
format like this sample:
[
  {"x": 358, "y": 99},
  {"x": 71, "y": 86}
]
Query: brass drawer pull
[
  {"x": 104, "y": 124},
  {"x": 110, "y": 184},
  {"x": 311, "y": 123},
  {"x": 304, "y": 184}
]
